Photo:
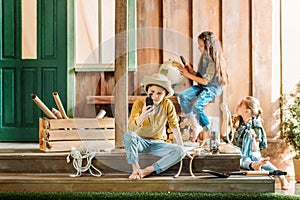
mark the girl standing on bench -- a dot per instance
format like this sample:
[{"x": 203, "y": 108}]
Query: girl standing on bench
[
  {"x": 211, "y": 76},
  {"x": 147, "y": 129}
]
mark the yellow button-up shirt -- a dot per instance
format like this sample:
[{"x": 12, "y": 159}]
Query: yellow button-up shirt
[{"x": 153, "y": 127}]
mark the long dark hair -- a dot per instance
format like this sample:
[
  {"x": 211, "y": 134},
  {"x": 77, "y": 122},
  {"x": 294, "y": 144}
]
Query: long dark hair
[{"x": 213, "y": 46}]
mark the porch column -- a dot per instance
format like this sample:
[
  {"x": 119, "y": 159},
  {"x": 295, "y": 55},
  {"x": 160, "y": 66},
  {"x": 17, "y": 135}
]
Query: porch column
[{"x": 121, "y": 72}]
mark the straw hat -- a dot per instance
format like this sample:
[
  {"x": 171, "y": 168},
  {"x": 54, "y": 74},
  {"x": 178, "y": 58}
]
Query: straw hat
[{"x": 160, "y": 80}]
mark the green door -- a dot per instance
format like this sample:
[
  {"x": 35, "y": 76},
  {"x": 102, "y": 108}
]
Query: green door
[{"x": 42, "y": 75}]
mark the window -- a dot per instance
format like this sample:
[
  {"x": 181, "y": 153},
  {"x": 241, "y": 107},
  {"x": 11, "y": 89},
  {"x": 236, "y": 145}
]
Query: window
[
  {"x": 29, "y": 29},
  {"x": 95, "y": 32}
]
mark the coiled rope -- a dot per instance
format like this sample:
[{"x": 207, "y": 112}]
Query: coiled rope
[{"x": 78, "y": 157}]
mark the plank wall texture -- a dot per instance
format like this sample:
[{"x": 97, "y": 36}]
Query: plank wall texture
[{"x": 167, "y": 29}]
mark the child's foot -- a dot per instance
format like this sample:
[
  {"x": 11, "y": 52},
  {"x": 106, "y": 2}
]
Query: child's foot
[
  {"x": 135, "y": 175},
  {"x": 196, "y": 128},
  {"x": 205, "y": 135},
  {"x": 284, "y": 183},
  {"x": 145, "y": 172},
  {"x": 257, "y": 164},
  {"x": 196, "y": 132}
]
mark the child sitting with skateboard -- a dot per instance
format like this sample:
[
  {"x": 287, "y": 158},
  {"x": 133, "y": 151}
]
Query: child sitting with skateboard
[{"x": 251, "y": 138}]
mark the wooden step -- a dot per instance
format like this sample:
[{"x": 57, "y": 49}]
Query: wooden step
[
  {"x": 109, "y": 163},
  {"x": 65, "y": 183}
]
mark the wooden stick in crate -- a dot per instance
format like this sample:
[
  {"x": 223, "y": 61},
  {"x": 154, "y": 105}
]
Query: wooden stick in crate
[
  {"x": 43, "y": 107},
  {"x": 59, "y": 105}
]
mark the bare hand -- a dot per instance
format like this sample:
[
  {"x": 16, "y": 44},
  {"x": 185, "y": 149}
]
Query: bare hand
[
  {"x": 252, "y": 133},
  {"x": 147, "y": 111},
  {"x": 183, "y": 71},
  {"x": 187, "y": 69}
]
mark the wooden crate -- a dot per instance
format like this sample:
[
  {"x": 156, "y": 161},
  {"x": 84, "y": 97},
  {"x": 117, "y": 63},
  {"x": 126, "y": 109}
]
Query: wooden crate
[{"x": 59, "y": 135}]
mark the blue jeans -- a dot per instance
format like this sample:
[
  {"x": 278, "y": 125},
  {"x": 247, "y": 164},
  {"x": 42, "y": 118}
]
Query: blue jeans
[
  {"x": 248, "y": 156},
  {"x": 203, "y": 95},
  {"x": 170, "y": 154},
  {"x": 256, "y": 156}
]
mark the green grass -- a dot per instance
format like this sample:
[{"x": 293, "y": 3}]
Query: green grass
[{"x": 139, "y": 196}]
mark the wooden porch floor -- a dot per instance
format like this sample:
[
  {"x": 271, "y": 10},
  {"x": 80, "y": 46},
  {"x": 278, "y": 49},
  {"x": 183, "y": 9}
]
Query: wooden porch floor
[{"x": 31, "y": 157}]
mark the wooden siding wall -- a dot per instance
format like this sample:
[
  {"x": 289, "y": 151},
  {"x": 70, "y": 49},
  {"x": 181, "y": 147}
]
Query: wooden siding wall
[{"x": 244, "y": 28}]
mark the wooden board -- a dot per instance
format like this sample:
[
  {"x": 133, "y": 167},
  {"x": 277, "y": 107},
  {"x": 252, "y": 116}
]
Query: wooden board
[
  {"x": 59, "y": 183},
  {"x": 88, "y": 134},
  {"x": 265, "y": 89},
  {"x": 110, "y": 99},
  {"x": 95, "y": 100},
  {"x": 237, "y": 49},
  {"x": 66, "y": 146},
  {"x": 79, "y": 123},
  {"x": 177, "y": 34}
]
